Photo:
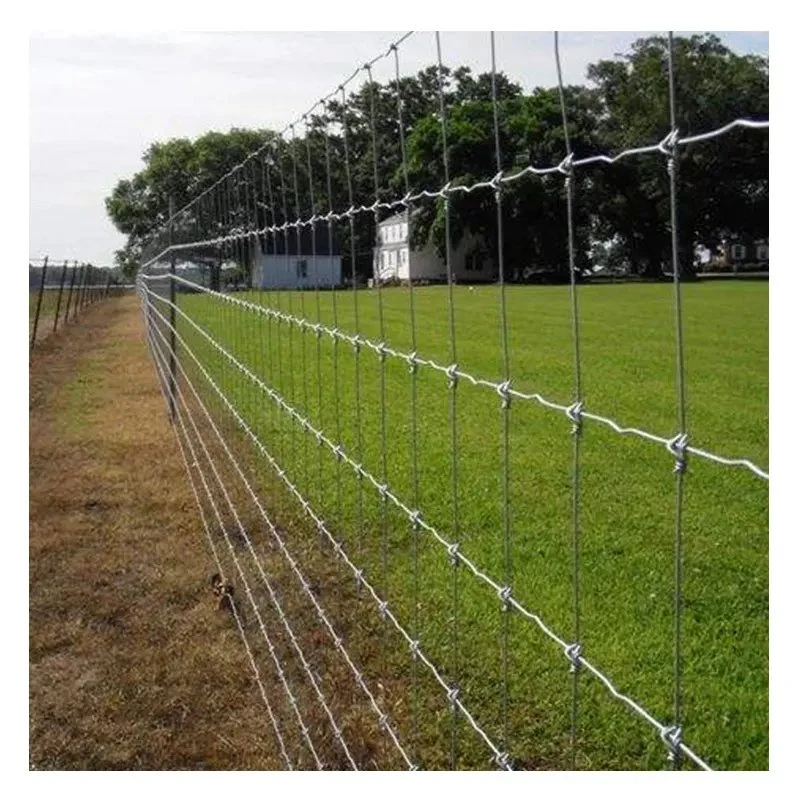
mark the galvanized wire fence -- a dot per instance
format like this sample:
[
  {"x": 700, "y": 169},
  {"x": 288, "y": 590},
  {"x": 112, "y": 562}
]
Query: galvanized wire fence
[
  {"x": 60, "y": 290},
  {"x": 333, "y": 443}
]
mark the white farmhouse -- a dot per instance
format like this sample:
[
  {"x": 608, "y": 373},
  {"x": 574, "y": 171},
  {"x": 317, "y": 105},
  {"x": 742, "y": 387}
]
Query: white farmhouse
[
  {"x": 301, "y": 266},
  {"x": 394, "y": 259}
]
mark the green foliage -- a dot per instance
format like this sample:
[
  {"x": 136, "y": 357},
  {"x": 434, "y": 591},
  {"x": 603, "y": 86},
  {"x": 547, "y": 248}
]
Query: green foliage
[
  {"x": 179, "y": 169},
  {"x": 723, "y": 184}
]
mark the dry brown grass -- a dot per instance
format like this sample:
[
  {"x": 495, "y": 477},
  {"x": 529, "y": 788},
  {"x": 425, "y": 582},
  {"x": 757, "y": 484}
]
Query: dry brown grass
[{"x": 131, "y": 664}]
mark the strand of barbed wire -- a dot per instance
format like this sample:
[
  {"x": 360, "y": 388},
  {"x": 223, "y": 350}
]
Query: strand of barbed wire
[
  {"x": 502, "y": 388},
  {"x": 178, "y": 398},
  {"x": 501, "y": 758},
  {"x": 190, "y": 461},
  {"x": 305, "y": 584},
  {"x": 505, "y": 594},
  {"x": 664, "y": 146}
]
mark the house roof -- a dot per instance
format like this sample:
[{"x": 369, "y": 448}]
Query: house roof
[{"x": 400, "y": 217}]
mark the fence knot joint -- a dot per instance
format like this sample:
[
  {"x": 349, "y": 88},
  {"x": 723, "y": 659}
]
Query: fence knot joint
[
  {"x": 503, "y": 389},
  {"x": 672, "y": 736},
  {"x": 574, "y": 413},
  {"x": 677, "y": 447},
  {"x": 452, "y": 375},
  {"x": 574, "y": 652}
]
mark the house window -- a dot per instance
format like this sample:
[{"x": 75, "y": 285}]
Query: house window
[
  {"x": 738, "y": 252},
  {"x": 392, "y": 256},
  {"x": 383, "y": 258},
  {"x": 301, "y": 268},
  {"x": 762, "y": 252},
  {"x": 404, "y": 231},
  {"x": 404, "y": 256},
  {"x": 473, "y": 262}
]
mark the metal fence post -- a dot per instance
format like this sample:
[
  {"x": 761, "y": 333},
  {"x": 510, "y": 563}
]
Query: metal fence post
[
  {"x": 60, "y": 293},
  {"x": 38, "y": 304},
  {"x": 71, "y": 286},
  {"x": 79, "y": 296},
  {"x": 172, "y": 315}
]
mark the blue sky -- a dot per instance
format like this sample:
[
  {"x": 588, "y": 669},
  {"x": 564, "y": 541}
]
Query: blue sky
[{"x": 98, "y": 101}]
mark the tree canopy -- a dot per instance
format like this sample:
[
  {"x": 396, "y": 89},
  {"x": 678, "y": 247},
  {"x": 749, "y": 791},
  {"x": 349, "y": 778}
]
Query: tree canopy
[{"x": 723, "y": 183}]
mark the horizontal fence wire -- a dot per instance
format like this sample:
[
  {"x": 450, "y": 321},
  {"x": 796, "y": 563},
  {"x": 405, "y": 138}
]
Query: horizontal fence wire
[
  {"x": 451, "y": 371},
  {"x": 233, "y": 220},
  {"x": 663, "y": 147}
]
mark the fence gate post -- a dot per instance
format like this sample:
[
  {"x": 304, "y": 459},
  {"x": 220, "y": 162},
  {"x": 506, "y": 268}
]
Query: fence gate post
[
  {"x": 38, "y": 304},
  {"x": 172, "y": 315}
]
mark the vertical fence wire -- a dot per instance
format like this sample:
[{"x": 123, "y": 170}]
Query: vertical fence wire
[
  {"x": 382, "y": 336},
  {"x": 455, "y": 664},
  {"x": 288, "y": 271},
  {"x": 415, "y": 531},
  {"x": 172, "y": 319},
  {"x": 359, "y": 452},
  {"x": 569, "y": 188},
  {"x": 680, "y": 444},
  {"x": 505, "y": 396},
  {"x": 335, "y": 313},
  {"x": 266, "y": 364},
  {"x": 321, "y": 494},
  {"x": 269, "y": 162},
  {"x": 302, "y": 270}
]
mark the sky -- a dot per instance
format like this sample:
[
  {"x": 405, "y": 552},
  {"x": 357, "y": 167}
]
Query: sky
[{"x": 98, "y": 100}]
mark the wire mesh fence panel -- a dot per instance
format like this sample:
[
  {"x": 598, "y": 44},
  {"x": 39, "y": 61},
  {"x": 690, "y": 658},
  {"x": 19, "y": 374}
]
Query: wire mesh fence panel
[{"x": 465, "y": 520}]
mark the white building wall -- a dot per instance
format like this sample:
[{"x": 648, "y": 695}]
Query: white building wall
[
  {"x": 296, "y": 272},
  {"x": 425, "y": 264}
]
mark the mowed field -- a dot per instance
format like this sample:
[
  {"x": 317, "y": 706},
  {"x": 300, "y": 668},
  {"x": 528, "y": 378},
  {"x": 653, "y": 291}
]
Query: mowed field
[{"x": 400, "y": 427}]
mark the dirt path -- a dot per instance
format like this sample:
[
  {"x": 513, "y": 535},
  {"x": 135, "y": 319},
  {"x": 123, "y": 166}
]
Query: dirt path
[{"x": 131, "y": 665}]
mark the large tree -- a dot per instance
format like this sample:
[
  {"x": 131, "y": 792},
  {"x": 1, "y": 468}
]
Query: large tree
[
  {"x": 534, "y": 207},
  {"x": 723, "y": 183},
  {"x": 179, "y": 169}
]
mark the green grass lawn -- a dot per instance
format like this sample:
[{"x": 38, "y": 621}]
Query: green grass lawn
[{"x": 627, "y": 499}]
